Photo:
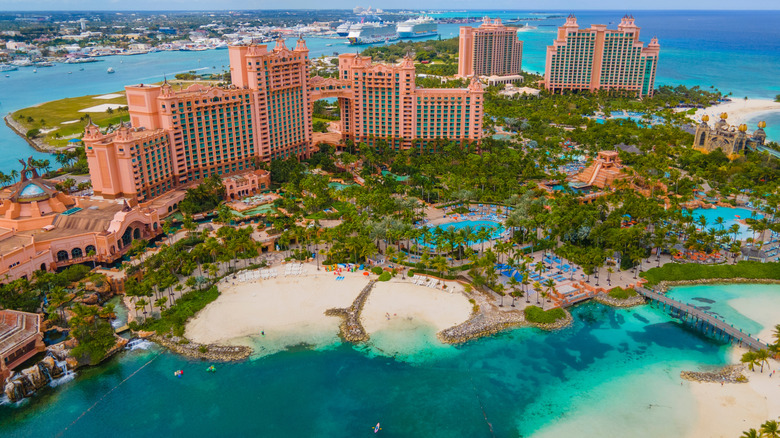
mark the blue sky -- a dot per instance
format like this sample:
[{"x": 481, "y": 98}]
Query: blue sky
[{"x": 41, "y": 5}]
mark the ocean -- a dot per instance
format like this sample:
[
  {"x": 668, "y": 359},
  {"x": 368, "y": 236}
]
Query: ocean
[
  {"x": 735, "y": 51},
  {"x": 613, "y": 370}
]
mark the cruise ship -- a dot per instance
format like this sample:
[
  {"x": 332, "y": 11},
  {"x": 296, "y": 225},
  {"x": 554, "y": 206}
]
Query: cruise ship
[
  {"x": 417, "y": 28},
  {"x": 343, "y": 29},
  {"x": 370, "y": 33}
]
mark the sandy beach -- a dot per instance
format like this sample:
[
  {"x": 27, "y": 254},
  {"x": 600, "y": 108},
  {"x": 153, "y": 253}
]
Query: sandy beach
[
  {"x": 283, "y": 306},
  {"x": 401, "y": 300},
  {"x": 285, "y": 311},
  {"x": 739, "y": 111},
  {"x": 728, "y": 410}
]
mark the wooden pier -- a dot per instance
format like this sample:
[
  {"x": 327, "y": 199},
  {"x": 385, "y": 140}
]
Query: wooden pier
[{"x": 699, "y": 318}]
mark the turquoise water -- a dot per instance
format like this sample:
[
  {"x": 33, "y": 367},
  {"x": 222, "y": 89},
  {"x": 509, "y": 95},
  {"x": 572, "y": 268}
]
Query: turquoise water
[
  {"x": 750, "y": 308},
  {"x": 612, "y": 370},
  {"x": 495, "y": 227},
  {"x": 730, "y": 218},
  {"x": 337, "y": 185},
  {"x": 735, "y": 51}
]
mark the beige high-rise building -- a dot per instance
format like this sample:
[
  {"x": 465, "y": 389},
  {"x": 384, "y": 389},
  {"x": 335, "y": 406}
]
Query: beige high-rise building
[
  {"x": 598, "y": 58},
  {"x": 490, "y": 49}
]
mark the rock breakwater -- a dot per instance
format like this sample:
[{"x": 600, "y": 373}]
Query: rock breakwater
[
  {"x": 351, "y": 329},
  {"x": 636, "y": 300},
  {"x": 727, "y": 374},
  {"x": 210, "y": 352}
]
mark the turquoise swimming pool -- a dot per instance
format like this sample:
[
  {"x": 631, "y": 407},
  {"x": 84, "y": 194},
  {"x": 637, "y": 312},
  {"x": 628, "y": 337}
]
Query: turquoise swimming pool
[
  {"x": 496, "y": 229},
  {"x": 730, "y": 217}
]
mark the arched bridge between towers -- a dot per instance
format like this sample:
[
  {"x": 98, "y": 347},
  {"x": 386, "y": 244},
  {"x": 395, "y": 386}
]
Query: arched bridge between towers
[
  {"x": 323, "y": 88},
  {"x": 708, "y": 323}
]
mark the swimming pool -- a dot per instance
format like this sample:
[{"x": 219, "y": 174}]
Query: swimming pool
[
  {"x": 730, "y": 217},
  {"x": 496, "y": 229}
]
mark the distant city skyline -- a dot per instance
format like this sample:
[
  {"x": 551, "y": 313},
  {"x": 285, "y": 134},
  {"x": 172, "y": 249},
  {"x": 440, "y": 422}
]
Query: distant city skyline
[{"x": 210, "y": 5}]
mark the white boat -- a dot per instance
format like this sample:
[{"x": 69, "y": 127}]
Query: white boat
[
  {"x": 525, "y": 27},
  {"x": 417, "y": 28},
  {"x": 343, "y": 29},
  {"x": 370, "y": 33},
  {"x": 6, "y": 67},
  {"x": 110, "y": 70}
]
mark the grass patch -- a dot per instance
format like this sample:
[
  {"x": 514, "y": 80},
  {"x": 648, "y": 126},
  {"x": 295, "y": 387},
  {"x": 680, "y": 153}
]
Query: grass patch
[
  {"x": 692, "y": 271},
  {"x": 537, "y": 315},
  {"x": 54, "y": 113},
  {"x": 622, "y": 294},
  {"x": 174, "y": 318}
]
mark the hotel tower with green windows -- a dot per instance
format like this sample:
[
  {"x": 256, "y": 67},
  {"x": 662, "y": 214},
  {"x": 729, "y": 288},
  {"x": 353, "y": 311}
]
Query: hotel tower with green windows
[
  {"x": 180, "y": 136},
  {"x": 598, "y": 58}
]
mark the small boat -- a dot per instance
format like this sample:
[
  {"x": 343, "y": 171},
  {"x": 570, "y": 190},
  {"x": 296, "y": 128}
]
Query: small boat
[
  {"x": 377, "y": 428},
  {"x": 70, "y": 72},
  {"x": 8, "y": 76},
  {"x": 35, "y": 70},
  {"x": 211, "y": 369},
  {"x": 110, "y": 70}
]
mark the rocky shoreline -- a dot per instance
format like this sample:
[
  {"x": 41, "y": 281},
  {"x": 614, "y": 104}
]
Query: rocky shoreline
[
  {"x": 209, "y": 352},
  {"x": 664, "y": 286},
  {"x": 727, "y": 374},
  {"x": 351, "y": 329},
  {"x": 37, "y": 144},
  {"x": 557, "y": 325},
  {"x": 636, "y": 300}
]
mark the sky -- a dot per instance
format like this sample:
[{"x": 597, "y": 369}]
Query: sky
[{"x": 158, "y": 5}]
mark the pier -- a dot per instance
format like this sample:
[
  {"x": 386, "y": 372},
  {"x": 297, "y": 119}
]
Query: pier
[{"x": 709, "y": 324}]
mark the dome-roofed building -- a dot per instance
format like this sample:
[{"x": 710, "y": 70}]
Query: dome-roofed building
[{"x": 42, "y": 228}]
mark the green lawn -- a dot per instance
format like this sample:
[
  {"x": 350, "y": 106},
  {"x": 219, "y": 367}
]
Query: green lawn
[
  {"x": 622, "y": 294},
  {"x": 539, "y": 316},
  {"x": 692, "y": 271},
  {"x": 54, "y": 113}
]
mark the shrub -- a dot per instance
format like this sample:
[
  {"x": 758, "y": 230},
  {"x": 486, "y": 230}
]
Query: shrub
[
  {"x": 385, "y": 276},
  {"x": 537, "y": 315},
  {"x": 377, "y": 270},
  {"x": 411, "y": 273},
  {"x": 622, "y": 294},
  {"x": 33, "y": 133},
  {"x": 175, "y": 317}
]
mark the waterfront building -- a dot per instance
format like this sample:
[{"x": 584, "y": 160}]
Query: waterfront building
[
  {"x": 20, "y": 339},
  {"x": 598, "y": 58},
  {"x": 732, "y": 140},
  {"x": 490, "y": 49}
]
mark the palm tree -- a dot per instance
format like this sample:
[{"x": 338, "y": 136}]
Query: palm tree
[
  {"x": 515, "y": 285},
  {"x": 749, "y": 358},
  {"x": 549, "y": 285},
  {"x": 762, "y": 357},
  {"x": 537, "y": 287},
  {"x": 750, "y": 433},
  {"x": 770, "y": 429}
]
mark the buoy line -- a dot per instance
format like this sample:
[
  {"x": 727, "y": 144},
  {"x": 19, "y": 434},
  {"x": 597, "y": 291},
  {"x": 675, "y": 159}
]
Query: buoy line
[{"x": 107, "y": 393}]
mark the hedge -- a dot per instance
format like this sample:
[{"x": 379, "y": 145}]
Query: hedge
[
  {"x": 622, "y": 294},
  {"x": 693, "y": 271}
]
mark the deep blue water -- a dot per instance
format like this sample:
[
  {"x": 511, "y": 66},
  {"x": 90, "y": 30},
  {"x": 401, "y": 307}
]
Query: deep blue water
[{"x": 736, "y": 51}]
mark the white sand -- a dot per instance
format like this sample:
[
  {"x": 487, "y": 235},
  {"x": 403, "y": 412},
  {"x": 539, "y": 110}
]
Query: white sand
[
  {"x": 729, "y": 410},
  {"x": 403, "y": 300},
  {"x": 70, "y": 122},
  {"x": 291, "y": 310},
  {"x": 293, "y": 304},
  {"x": 101, "y": 108},
  {"x": 108, "y": 96},
  {"x": 739, "y": 111}
]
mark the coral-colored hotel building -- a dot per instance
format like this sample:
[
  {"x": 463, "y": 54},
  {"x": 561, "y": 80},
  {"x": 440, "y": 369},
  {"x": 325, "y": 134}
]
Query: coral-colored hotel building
[
  {"x": 181, "y": 136},
  {"x": 598, "y": 58},
  {"x": 490, "y": 49}
]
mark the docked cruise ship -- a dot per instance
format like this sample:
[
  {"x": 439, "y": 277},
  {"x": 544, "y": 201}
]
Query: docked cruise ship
[
  {"x": 343, "y": 29},
  {"x": 370, "y": 33},
  {"x": 417, "y": 28}
]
